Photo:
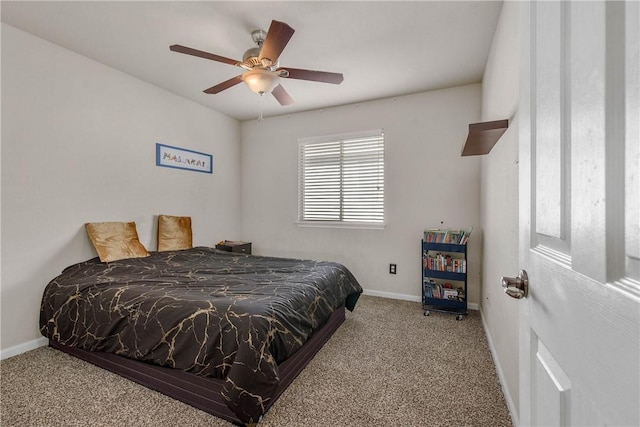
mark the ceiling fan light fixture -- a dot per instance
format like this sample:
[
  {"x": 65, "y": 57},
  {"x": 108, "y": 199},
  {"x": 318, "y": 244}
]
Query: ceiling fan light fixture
[{"x": 260, "y": 81}]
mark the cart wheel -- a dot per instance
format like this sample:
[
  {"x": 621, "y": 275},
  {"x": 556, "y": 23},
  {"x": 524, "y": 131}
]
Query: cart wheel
[
  {"x": 459, "y": 317},
  {"x": 426, "y": 312}
]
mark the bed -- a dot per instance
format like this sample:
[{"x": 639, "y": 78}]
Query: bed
[{"x": 224, "y": 332}]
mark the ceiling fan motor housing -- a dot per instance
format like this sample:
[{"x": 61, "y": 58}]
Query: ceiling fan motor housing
[{"x": 251, "y": 57}]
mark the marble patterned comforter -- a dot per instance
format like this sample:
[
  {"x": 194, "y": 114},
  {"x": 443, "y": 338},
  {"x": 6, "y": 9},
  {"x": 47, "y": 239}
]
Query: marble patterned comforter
[{"x": 212, "y": 313}]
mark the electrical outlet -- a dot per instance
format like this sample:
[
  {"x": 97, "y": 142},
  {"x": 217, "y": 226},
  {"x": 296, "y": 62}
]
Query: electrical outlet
[{"x": 392, "y": 269}]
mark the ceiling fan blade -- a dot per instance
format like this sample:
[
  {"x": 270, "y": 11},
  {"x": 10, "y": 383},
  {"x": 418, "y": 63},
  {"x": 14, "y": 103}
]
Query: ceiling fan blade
[
  {"x": 282, "y": 95},
  {"x": 202, "y": 54},
  {"x": 277, "y": 38},
  {"x": 224, "y": 85},
  {"x": 316, "y": 76}
]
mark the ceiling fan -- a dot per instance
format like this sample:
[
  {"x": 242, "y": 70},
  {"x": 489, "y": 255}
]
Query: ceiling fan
[{"x": 263, "y": 71}]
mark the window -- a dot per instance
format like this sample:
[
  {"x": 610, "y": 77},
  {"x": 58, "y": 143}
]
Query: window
[{"x": 341, "y": 180}]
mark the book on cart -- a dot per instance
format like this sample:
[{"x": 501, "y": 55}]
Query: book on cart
[{"x": 436, "y": 235}]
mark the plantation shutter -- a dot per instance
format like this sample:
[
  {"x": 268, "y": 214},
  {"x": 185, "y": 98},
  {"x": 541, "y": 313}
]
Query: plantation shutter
[{"x": 341, "y": 179}]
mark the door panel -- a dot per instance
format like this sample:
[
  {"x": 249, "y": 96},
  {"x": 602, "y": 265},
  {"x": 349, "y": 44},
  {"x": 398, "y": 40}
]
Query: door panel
[
  {"x": 552, "y": 401},
  {"x": 580, "y": 324},
  {"x": 589, "y": 96},
  {"x": 549, "y": 126},
  {"x": 632, "y": 137}
]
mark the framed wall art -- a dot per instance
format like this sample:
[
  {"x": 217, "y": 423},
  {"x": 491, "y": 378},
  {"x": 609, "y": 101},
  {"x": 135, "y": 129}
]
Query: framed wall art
[{"x": 182, "y": 158}]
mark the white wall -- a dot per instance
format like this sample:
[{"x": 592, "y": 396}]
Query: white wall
[
  {"x": 499, "y": 203},
  {"x": 78, "y": 145},
  {"x": 426, "y": 180}
]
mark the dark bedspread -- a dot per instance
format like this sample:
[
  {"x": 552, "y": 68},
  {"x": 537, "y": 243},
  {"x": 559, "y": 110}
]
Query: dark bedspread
[{"x": 208, "y": 312}]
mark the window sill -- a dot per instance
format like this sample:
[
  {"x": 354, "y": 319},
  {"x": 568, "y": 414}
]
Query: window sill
[{"x": 337, "y": 224}]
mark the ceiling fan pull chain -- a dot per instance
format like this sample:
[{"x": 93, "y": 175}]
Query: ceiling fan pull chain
[{"x": 260, "y": 118}]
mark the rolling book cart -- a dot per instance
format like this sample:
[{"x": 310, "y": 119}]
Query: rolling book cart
[{"x": 444, "y": 272}]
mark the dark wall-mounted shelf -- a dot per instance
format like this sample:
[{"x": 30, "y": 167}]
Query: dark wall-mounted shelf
[{"x": 483, "y": 136}]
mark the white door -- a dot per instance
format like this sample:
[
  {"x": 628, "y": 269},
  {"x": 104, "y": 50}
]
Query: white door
[{"x": 579, "y": 213}]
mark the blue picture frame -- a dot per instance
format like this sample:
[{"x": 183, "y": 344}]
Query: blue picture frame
[{"x": 181, "y": 158}]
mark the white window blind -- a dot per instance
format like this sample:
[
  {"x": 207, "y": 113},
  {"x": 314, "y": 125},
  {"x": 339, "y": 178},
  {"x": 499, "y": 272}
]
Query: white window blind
[{"x": 341, "y": 179}]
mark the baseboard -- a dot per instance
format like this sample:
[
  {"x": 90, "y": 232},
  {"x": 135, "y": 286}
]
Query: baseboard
[
  {"x": 405, "y": 297},
  {"x": 391, "y": 295},
  {"x": 23, "y": 348},
  {"x": 499, "y": 371}
]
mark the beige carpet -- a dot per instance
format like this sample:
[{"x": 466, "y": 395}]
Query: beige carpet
[{"x": 387, "y": 365}]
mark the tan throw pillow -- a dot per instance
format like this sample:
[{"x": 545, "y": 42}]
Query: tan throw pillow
[
  {"x": 174, "y": 233},
  {"x": 115, "y": 240}
]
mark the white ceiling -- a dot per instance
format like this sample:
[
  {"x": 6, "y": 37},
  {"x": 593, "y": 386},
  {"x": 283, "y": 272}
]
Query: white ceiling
[{"x": 384, "y": 49}]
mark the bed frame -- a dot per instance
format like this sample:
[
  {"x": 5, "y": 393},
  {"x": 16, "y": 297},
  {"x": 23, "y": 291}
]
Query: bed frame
[{"x": 201, "y": 392}]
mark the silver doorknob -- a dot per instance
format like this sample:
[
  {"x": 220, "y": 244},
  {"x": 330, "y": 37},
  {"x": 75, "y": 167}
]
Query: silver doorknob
[{"x": 516, "y": 287}]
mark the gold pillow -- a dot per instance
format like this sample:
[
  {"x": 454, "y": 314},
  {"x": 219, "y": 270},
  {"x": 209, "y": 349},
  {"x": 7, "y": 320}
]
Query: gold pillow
[
  {"x": 174, "y": 233},
  {"x": 115, "y": 240}
]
